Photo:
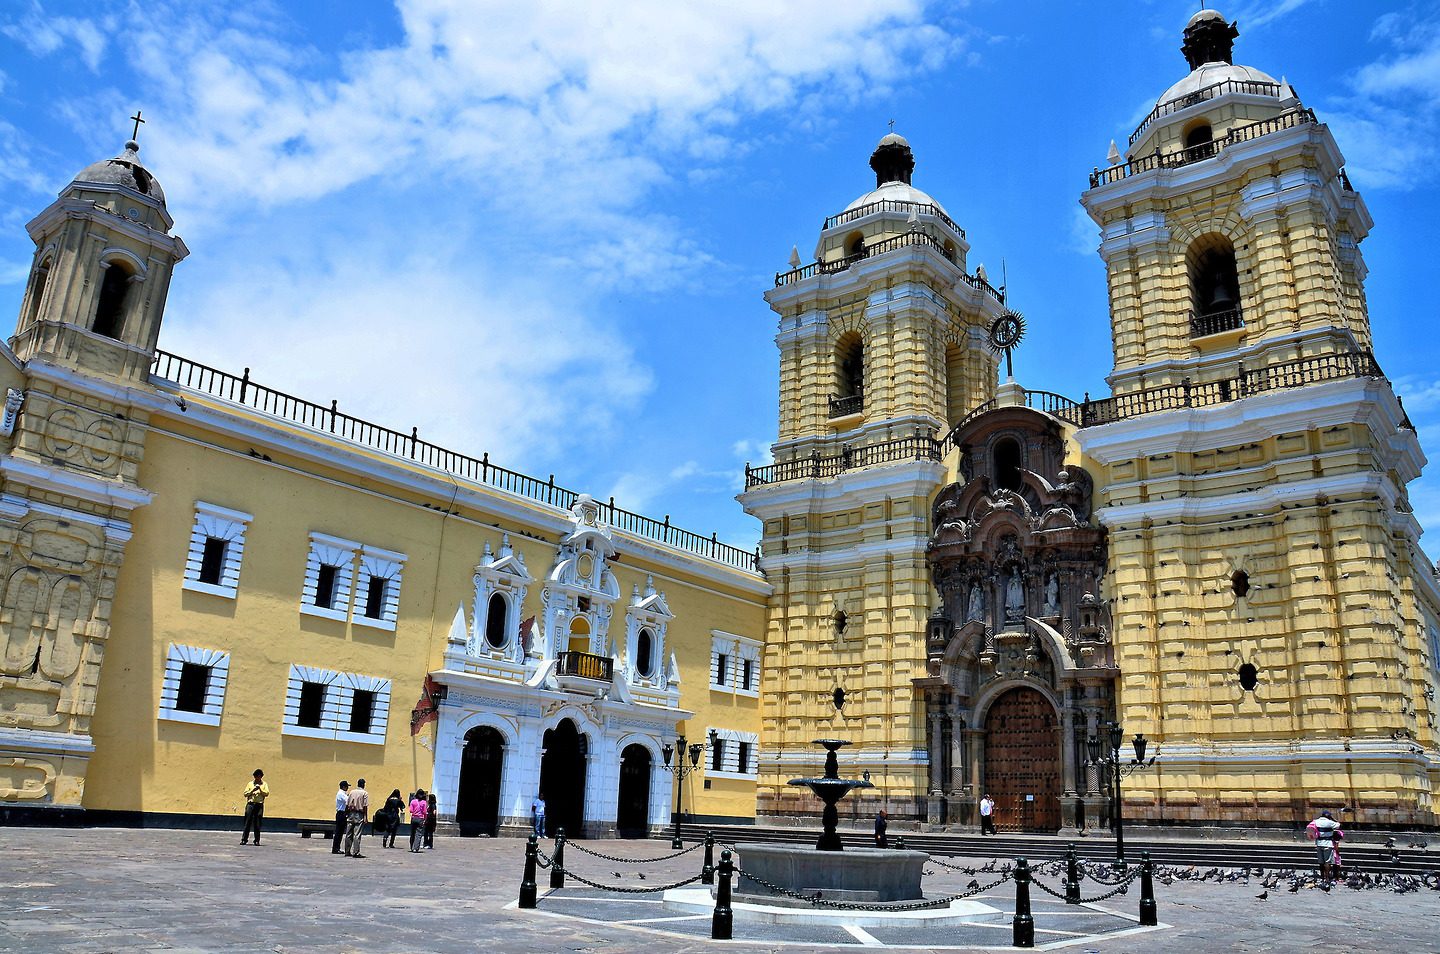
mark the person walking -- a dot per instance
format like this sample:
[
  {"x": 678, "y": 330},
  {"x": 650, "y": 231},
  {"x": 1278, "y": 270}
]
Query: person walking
[
  {"x": 255, "y": 794},
  {"x": 357, "y": 810},
  {"x": 537, "y": 809},
  {"x": 1325, "y": 832},
  {"x": 432, "y": 818},
  {"x": 987, "y": 815},
  {"x": 419, "y": 810},
  {"x": 394, "y": 811},
  {"x": 342, "y": 797},
  {"x": 881, "y": 839}
]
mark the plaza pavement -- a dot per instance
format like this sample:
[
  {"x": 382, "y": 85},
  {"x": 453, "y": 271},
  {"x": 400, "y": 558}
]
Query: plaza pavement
[{"x": 162, "y": 890}]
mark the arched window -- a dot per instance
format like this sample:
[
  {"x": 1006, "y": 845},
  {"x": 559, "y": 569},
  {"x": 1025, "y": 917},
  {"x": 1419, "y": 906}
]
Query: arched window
[
  {"x": 37, "y": 291},
  {"x": 850, "y": 366},
  {"x": 579, "y": 635},
  {"x": 1007, "y": 463},
  {"x": 645, "y": 653},
  {"x": 1198, "y": 135},
  {"x": 954, "y": 384},
  {"x": 1214, "y": 286},
  {"x": 110, "y": 309},
  {"x": 495, "y": 619},
  {"x": 855, "y": 244}
]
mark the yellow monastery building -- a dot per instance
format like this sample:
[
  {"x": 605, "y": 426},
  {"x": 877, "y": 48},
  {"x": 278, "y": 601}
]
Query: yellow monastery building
[{"x": 200, "y": 574}]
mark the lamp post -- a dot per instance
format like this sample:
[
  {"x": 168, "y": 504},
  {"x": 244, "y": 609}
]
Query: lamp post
[
  {"x": 1106, "y": 751},
  {"x": 675, "y": 761}
]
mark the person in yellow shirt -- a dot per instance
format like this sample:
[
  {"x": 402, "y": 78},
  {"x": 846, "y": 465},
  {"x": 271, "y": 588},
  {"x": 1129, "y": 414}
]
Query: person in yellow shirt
[{"x": 255, "y": 794}]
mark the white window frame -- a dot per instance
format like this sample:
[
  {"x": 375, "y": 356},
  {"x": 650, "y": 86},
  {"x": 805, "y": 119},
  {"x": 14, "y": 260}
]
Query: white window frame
[
  {"x": 387, "y": 565},
  {"x": 332, "y": 551},
  {"x": 175, "y": 660},
  {"x": 731, "y": 755},
  {"x": 223, "y": 524},
  {"x": 335, "y": 713},
  {"x": 736, "y": 649}
]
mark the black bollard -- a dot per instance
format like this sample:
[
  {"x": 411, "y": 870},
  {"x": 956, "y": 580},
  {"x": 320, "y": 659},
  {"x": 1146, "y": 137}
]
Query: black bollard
[
  {"x": 722, "y": 922},
  {"x": 1072, "y": 877},
  {"x": 899, "y": 842},
  {"x": 527, "y": 886},
  {"x": 1147, "y": 892},
  {"x": 707, "y": 870},
  {"x": 557, "y": 863},
  {"x": 1023, "y": 927}
]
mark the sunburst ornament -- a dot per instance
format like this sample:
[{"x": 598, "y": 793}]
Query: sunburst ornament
[{"x": 1005, "y": 333}]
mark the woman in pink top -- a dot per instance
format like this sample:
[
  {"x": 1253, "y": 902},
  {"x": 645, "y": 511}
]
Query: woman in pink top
[{"x": 419, "y": 809}]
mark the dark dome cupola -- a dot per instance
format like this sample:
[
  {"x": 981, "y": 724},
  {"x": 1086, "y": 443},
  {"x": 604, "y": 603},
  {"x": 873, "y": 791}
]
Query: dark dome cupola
[
  {"x": 1208, "y": 39},
  {"x": 892, "y": 160}
]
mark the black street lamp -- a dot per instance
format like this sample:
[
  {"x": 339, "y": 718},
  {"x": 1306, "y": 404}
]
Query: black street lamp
[
  {"x": 678, "y": 766},
  {"x": 1110, "y": 757}
]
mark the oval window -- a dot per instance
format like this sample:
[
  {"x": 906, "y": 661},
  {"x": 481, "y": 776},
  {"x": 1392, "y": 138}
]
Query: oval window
[
  {"x": 644, "y": 653},
  {"x": 495, "y": 621},
  {"x": 1240, "y": 583},
  {"x": 1249, "y": 677}
]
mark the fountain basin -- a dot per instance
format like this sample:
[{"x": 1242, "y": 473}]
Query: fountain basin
[{"x": 856, "y": 874}]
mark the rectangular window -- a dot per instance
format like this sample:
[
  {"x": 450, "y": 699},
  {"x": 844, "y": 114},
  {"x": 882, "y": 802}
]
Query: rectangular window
[
  {"x": 742, "y": 758},
  {"x": 212, "y": 561},
  {"x": 312, "y": 705},
  {"x": 190, "y": 694},
  {"x": 747, "y": 673},
  {"x": 717, "y": 756},
  {"x": 375, "y": 598},
  {"x": 362, "y": 708},
  {"x": 734, "y": 754},
  {"x": 722, "y": 667},
  {"x": 735, "y": 663},
  {"x": 217, "y": 543},
  {"x": 325, "y": 586},
  {"x": 193, "y": 689}
]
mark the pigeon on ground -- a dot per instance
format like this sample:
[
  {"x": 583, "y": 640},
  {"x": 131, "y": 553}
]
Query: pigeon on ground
[
  {"x": 617, "y": 874},
  {"x": 1263, "y": 895},
  {"x": 972, "y": 885},
  {"x": 641, "y": 874},
  {"x": 1295, "y": 887}
]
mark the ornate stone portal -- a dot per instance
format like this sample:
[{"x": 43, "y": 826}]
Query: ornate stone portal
[{"x": 1020, "y": 662}]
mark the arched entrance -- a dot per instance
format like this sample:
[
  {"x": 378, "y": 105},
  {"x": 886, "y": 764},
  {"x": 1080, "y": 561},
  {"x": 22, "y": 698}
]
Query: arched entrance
[
  {"x": 1022, "y": 761},
  {"x": 632, "y": 819},
  {"x": 562, "y": 779},
  {"x": 477, "y": 805}
]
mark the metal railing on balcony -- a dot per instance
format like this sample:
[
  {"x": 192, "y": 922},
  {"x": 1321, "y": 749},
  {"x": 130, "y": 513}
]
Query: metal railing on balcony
[
  {"x": 845, "y": 406},
  {"x": 816, "y": 466},
  {"x": 891, "y": 205},
  {"x": 1253, "y": 87},
  {"x": 1215, "y": 323},
  {"x": 903, "y": 240},
  {"x": 584, "y": 665},
  {"x": 1205, "y": 150},
  {"x": 329, "y": 419},
  {"x": 1188, "y": 394}
]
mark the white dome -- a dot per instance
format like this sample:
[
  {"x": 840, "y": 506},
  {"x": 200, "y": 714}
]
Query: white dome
[
  {"x": 895, "y": 192},
  {"x": 1211, "y": 73}
]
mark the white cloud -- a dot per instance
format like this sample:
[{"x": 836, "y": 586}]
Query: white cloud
[
  {"x": 1084, "y": 233},
  {"x": 13, "y": 272},
  {"x": 1265, "y": 11},
  {"x": 42, "y": 33}
]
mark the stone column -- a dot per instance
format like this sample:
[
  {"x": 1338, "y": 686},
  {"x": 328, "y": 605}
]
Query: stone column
[
  {"x": 933, "y": 813},
  {"x": 957, "y": 753}
]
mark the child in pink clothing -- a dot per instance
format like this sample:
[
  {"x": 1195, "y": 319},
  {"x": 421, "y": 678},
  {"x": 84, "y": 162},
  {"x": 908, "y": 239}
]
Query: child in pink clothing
[{"x": 419, "y": 809}]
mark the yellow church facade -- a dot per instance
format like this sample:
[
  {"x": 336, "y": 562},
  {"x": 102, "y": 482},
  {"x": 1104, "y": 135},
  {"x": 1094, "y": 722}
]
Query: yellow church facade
[{"x": 969, "y": 580}]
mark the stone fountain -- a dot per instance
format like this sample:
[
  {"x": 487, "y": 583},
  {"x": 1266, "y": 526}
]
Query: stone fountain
[
  {"x": 830, "y": 788},
  {"x": 858, "y": 874}
]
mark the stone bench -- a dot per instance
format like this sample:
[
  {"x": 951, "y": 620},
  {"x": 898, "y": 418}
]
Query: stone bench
[{"x": 308, "y": 828}]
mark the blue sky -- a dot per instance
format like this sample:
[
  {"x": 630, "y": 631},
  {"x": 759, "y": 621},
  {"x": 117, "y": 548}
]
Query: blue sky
[{"x": 543, "y": 230}]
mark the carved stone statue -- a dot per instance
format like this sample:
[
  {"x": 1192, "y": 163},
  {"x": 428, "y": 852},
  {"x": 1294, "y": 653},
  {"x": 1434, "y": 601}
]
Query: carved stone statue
[
  {"x": 1014, "y": 598},
  {"x": 1052, "y": 595},
  {"x": 976, "y": 604}
]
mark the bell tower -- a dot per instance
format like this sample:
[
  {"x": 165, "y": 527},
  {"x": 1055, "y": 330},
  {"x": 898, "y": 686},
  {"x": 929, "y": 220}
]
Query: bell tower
[
  {"x": 76, "y": 414},
  {"x": 883, "y": 351},
  {"x": 1270, "y": 600}
]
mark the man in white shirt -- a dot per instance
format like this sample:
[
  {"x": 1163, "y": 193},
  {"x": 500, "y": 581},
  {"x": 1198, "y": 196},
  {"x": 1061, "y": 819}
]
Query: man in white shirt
[
  {"x": 1325, "y": 830},
  {"x": 987, "y": 815},
  {"x": 537, "y": 808},
  {"x": 341, "y": 797}
]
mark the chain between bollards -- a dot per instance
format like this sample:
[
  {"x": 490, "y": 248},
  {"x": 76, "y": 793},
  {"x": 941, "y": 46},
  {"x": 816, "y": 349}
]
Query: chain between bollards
[
  {"x": 527, "y": 885},
  {"x": 722, "y": 922},
  {"x": 1072, "y": 877},
  {"x": 557, "y": 864},
  {"x": 707, "y": 870},
  {"x": 1147, "y": 891},
  {"x": 1023, "y": 926}
]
